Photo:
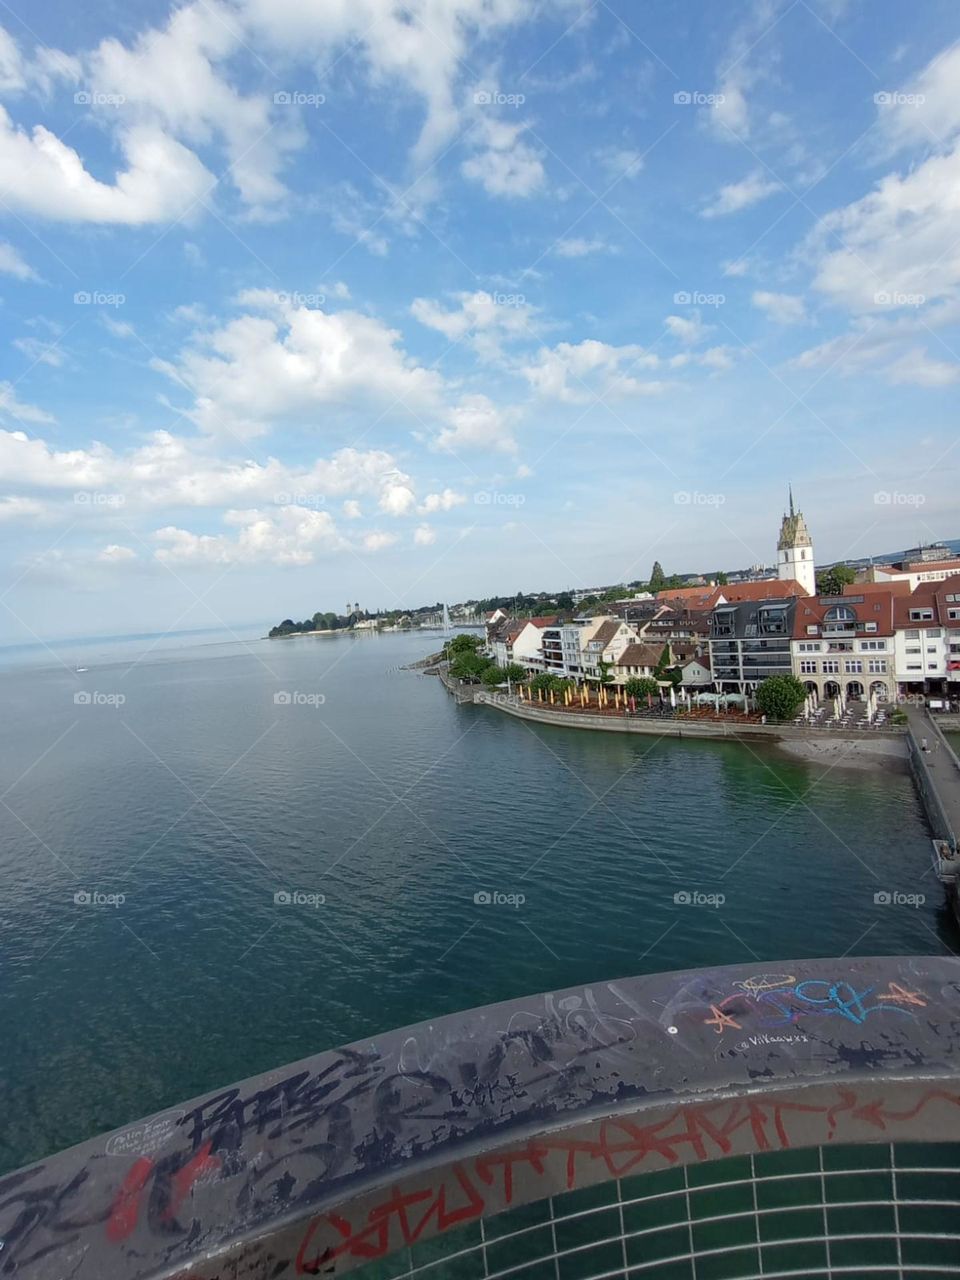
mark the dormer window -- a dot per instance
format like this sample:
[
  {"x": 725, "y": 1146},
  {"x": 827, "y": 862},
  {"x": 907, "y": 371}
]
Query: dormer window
[{"x": 840, "y": 613}]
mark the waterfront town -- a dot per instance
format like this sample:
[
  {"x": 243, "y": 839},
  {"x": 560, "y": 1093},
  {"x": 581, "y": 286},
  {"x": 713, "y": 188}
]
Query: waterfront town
[{"x": 865, "y": 636}]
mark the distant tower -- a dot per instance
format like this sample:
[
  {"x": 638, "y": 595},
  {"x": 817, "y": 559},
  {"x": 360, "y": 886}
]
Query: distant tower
[{"x": 795, "y": 551}]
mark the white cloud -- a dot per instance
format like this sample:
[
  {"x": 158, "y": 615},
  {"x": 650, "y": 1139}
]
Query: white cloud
[
  {"x": 741, "y": 195},
  {"x": 577, "y": 247},
  {"x": 397, "y": 499},
  {"x": 424, "y": 536},
  {"x": 504, "y": 165},
  {"x": 291, "y": 361},
  {"x": 12, "y": 264},
  {"x": 11, "y": 407},
  {"x": 926, "y": 109},
  {"x": 352, "y": 509},
  {"x": 115, "y": 554},
  {"x": 444, "y": 501},
  {"x": 172, "y": 471},
  {"x": 283, "y": 536},
  {"x": 899, "y": 241},
  {"x": 18, "y": 508},
  {"x": 42, "y": 176},
  {"x": 579, "y": 372},
  {"x": 476, "y": 423},
  {"x": 378, "y": 541},
  {"x": 40, "y": 352},
  {"x": 687, "y": 329},
  {"x": 782, "y": 308},
  {"x": 488, "y": 319}
]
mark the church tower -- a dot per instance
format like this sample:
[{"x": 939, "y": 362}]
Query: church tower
[{"x": 795, "y": 551}]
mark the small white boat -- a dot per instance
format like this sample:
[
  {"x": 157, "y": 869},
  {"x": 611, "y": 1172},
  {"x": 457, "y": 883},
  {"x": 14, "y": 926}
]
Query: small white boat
[{"x": 80, "y": 670}]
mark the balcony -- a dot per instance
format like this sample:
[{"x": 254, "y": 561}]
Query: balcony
[{"x": 655, "y": 1125}]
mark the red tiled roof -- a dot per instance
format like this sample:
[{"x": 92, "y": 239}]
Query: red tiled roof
[
  {"x": 766, "y": 589},
  {"x": 878, "y": 608},
  {"x": 640, "y": 655},
  {"x": 899, "y": 587}
]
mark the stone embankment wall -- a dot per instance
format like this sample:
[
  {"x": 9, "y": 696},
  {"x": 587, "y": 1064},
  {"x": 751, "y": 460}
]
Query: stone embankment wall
[{"x": 679, "y": 728}]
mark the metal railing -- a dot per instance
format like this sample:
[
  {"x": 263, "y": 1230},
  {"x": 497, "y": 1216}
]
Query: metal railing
[{"x": 708, "y": 1123}]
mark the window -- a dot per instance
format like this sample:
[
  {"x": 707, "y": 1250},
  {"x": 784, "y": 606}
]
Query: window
[
  {"x": 877, "y": 666},
  {"x": 913, "y": 648},
  {"x": 870, "y": 626},
  {"x": 812, "y": 629},
  {"x": 831, "y": 666},
  {"x": 869, "y": 646},
  {"x": 840, "y": 613},
  {"x": 808, "y": 667},
  {"x": 806, "y": 647},
  {"x": 953, "y": 614},
  {"x": 853, "y": 667},
  {"x": 933, "y": 633},
  {"x": 912, "y": 635},
  {"x": 914, "y": 666},
  {"x": 921, "y": 615}
]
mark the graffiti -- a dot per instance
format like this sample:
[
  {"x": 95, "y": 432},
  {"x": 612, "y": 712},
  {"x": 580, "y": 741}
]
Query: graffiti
[
  {"x": 783, "y": 1001},
  {"x": 487, "y": 1183},
  {"x": 501, "y": 1103}
]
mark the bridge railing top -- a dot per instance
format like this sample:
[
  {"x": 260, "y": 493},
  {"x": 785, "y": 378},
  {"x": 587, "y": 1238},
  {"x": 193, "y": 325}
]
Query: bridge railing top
[{"x": 490, "y": 1107}]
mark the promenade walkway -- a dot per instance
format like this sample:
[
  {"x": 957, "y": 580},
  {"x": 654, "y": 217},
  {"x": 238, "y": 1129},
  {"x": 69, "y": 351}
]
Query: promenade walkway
[{"x": 937, "y": 771}]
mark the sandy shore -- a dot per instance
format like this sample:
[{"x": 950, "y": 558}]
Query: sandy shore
[{"x": 842, "y": 753}]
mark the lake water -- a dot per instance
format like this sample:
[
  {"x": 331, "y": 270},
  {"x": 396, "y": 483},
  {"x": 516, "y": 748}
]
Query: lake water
[{"x": 198, "y": 798}]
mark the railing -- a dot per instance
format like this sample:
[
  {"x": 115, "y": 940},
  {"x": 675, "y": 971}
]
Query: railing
[{"x": 695, "y": 1123}]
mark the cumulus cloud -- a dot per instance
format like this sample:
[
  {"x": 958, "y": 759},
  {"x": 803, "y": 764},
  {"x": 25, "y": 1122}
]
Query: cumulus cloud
[
  {"x": 476, "y": 423},
  {"x": 505, "y": 165},
  {"x": 579, "y": 372},
  {"x": 289, "y": 361},
  {"x": 11, "y": 407},
  {"x": 285, "y": 536},
  {"x": 424, "y": 535},
  {"x": 42, "y": 176}
]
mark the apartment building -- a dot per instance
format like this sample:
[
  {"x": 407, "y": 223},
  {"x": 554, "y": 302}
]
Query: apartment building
[
  {"x": 750, "y": 641},
  {"x": 846, "y": 644}
]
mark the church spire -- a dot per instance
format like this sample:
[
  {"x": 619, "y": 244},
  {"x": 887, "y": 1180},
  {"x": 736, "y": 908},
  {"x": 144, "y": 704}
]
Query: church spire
[{"x": 790, "y": 488}]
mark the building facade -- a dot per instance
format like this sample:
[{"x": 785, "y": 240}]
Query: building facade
[
  {"x": 795, "y": 551},
  {"x": 749, "y": 642}
]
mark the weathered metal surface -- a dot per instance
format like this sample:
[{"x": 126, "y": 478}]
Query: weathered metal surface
[{"x": 346, "y": 1156}]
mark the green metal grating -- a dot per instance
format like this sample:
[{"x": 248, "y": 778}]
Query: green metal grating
[{"x": 855, "y": 1211}]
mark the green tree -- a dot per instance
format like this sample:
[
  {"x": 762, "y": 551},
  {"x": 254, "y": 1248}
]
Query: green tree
[
  {"x": 468, "y": 666},
  {"x": 657, "y": 579},
  {"x": 494, "y": 675},
  {"x": 462, "y": 644},
  {"x": 780, "y": 697},
  {"x": 514, "y": 673},
  {"x": 721, "y": 579},
  {"x": 640, "y": 686},
  {"x": 830, "y": 582}
]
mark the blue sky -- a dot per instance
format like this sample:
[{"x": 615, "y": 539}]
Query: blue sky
[{"x": 308, "y": 302}]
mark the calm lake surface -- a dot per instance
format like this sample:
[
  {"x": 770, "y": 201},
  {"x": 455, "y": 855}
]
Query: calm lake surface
[{"x": 198, "y": 798}]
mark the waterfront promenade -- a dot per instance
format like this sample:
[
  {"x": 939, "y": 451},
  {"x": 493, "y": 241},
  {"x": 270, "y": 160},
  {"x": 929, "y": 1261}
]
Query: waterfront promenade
[{"x": 937, "y": 773}]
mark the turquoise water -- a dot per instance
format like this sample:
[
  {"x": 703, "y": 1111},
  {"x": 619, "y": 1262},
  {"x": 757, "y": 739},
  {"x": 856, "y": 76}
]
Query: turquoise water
[{"x": 198, "y": 798}]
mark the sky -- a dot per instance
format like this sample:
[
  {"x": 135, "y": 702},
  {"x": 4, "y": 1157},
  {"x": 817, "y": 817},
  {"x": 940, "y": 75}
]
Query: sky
[{"x": 310, "y": 302}]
